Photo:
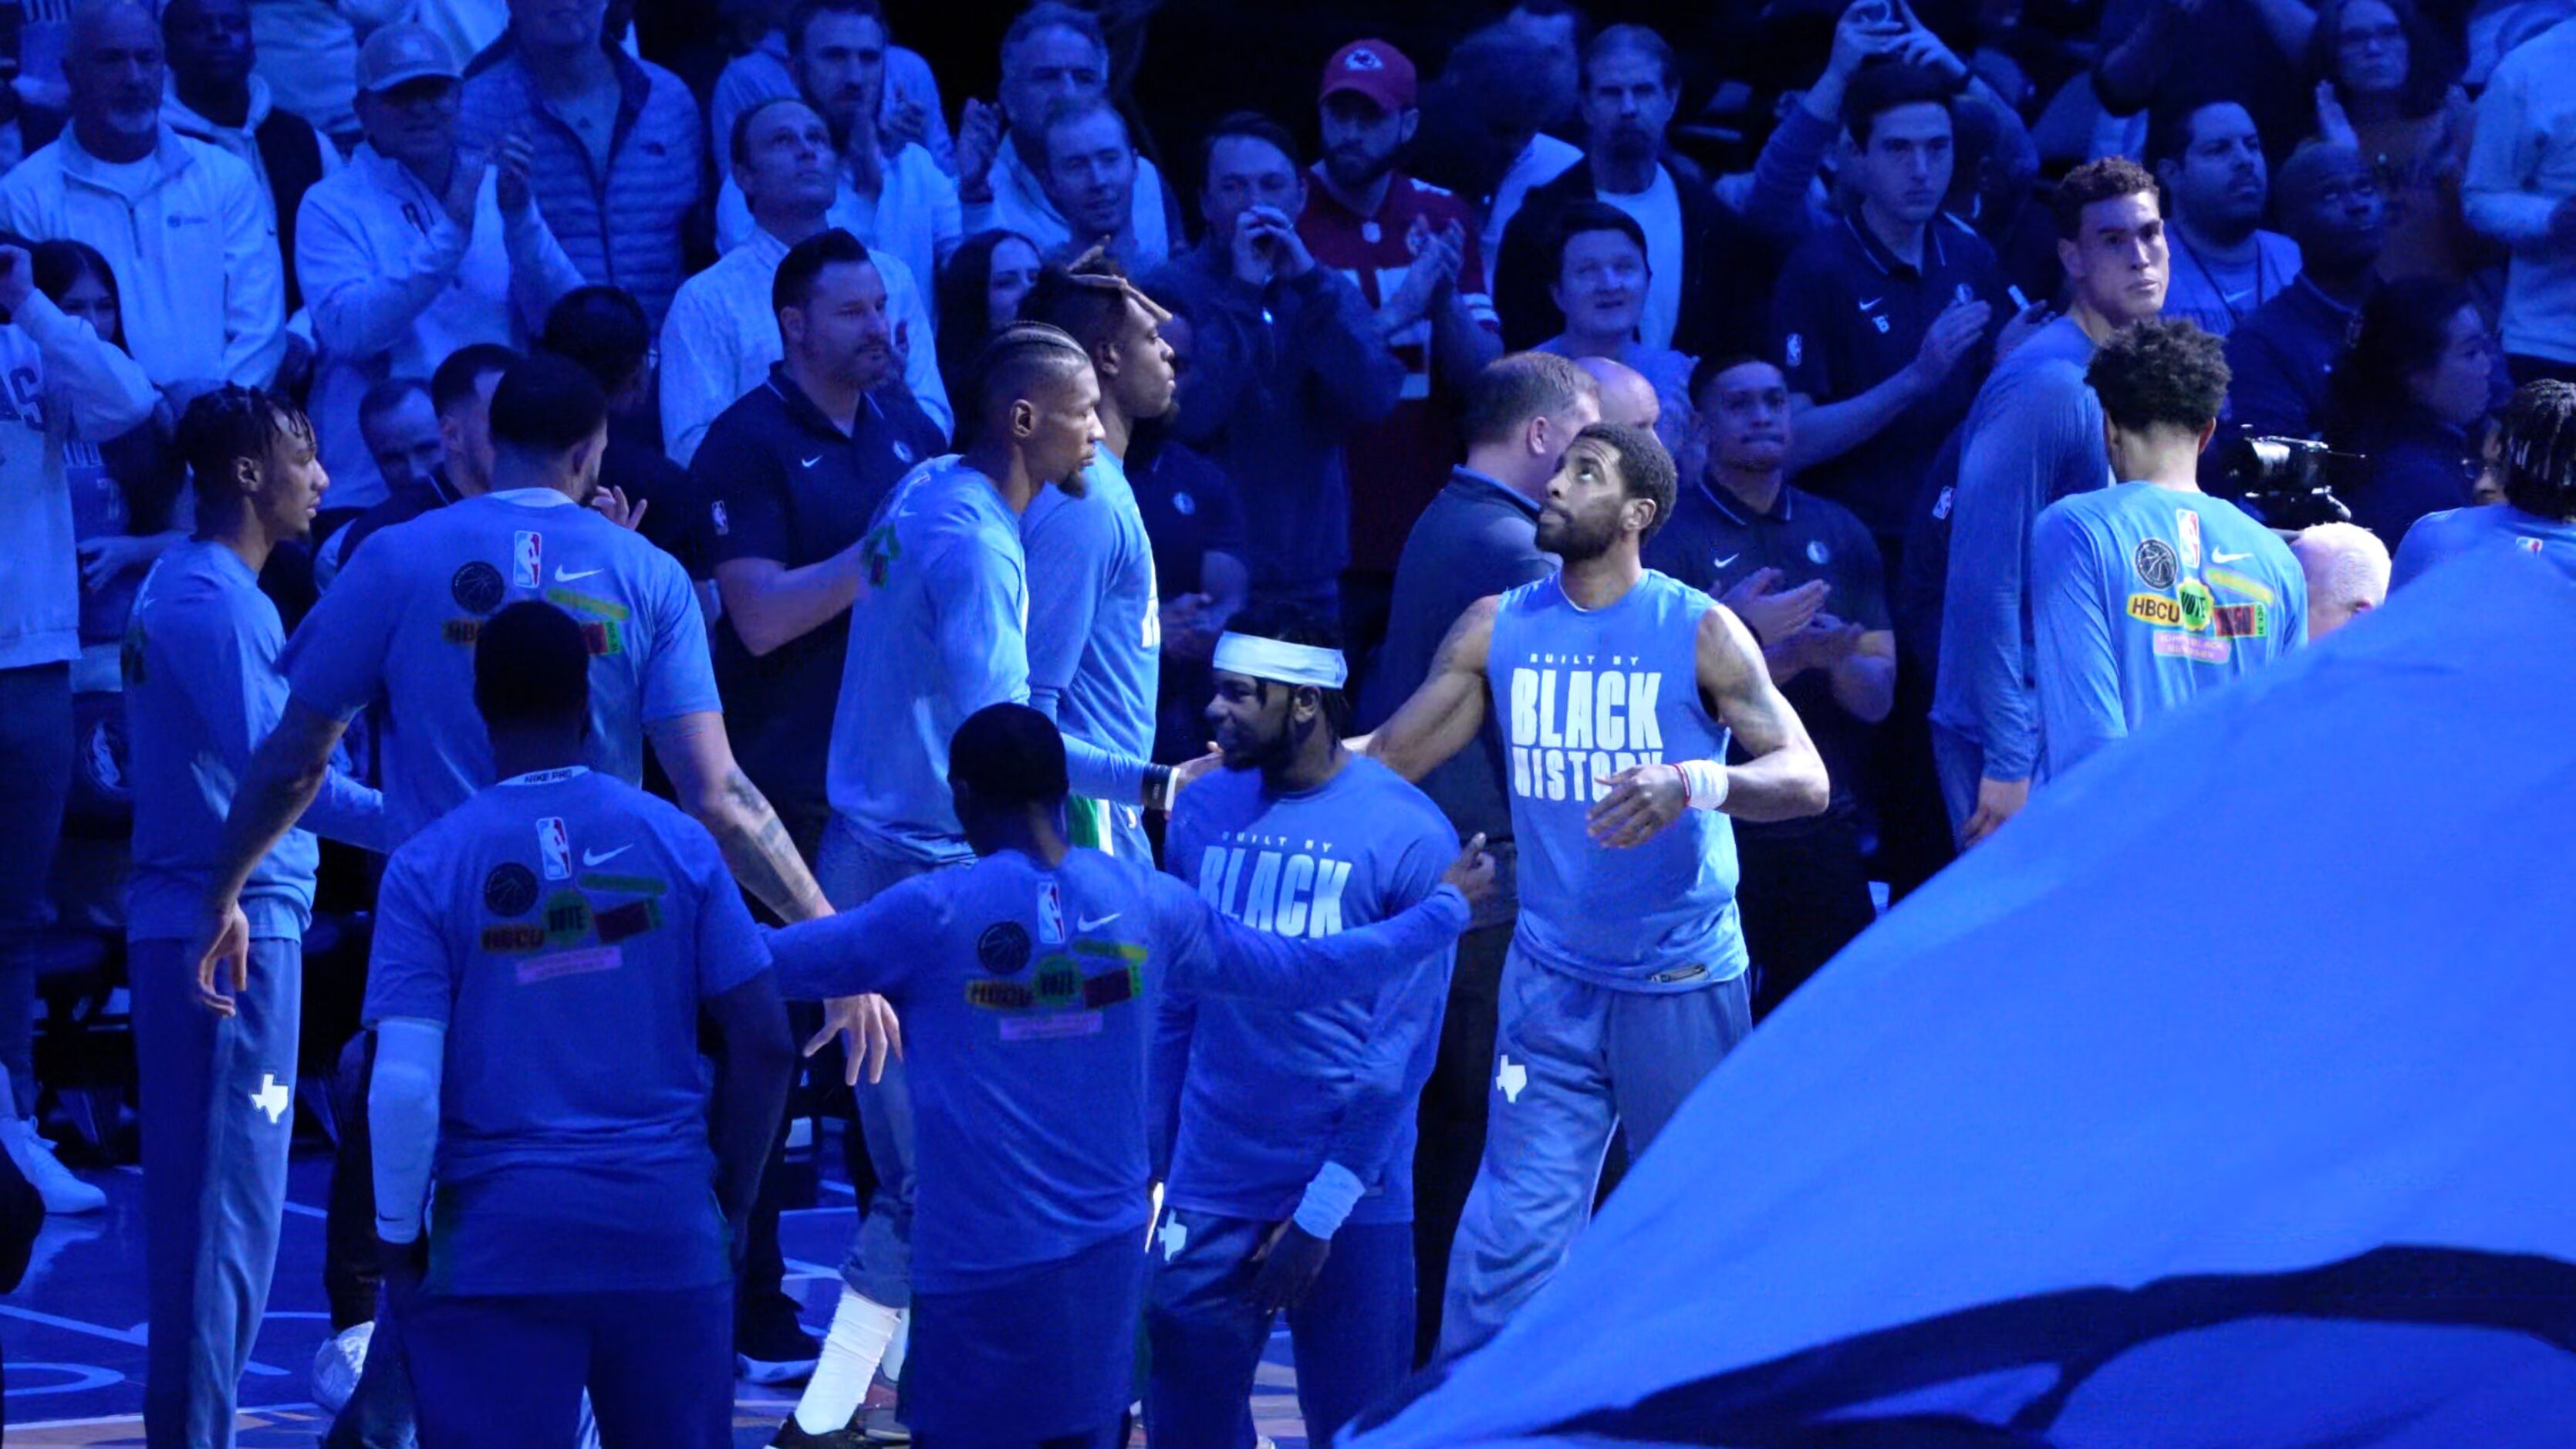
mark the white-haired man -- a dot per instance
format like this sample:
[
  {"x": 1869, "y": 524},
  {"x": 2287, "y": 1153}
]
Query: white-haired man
[{"x": 2347, "y": 569}]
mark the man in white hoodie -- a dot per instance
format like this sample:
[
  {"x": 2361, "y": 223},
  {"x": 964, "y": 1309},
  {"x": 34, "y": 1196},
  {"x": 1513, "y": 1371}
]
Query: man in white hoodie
[
  {"x": 88, "y": 386},
  {"x": 181, "y": 223},
  {"x": 415, "y": 249}
]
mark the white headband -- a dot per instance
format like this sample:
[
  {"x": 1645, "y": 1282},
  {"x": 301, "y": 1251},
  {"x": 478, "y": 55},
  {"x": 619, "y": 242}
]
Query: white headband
[{"x": 1286, "y": 663}]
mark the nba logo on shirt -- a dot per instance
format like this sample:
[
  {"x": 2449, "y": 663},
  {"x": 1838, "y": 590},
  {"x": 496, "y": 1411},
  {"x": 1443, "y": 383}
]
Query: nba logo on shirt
[
  {"x": 2187, "y": 524},
  {"x": 1050, "y": 914},
  {"x": 554, "y": 845},
  {"x": 2528, "y": 545},
  {"x": 527, "y": 557}
]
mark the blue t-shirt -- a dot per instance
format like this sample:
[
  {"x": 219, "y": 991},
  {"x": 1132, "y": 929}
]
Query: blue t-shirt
[
  {"x": 2437, "y": 537},
  {"x": 564, "y": 928},
  {"x": 402, "y": 618},
  {"x": 202, "y": 689},
  {"x": 1095, "y": 642},
  {"x": 1268, "y": 1094},
  {"x": 1025, "y": 995},
  {"x": 1583, "y": 694},
  {"x": 2143, "y": 598}
]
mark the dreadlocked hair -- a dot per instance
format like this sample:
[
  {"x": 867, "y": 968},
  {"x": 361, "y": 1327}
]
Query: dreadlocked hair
[
  {"x": 227, "y": 427},
  {"x": 2540, "y": 449}
]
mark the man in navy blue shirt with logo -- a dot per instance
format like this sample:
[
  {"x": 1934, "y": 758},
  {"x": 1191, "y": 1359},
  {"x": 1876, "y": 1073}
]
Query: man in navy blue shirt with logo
[{"x": 1883, "y": 318}]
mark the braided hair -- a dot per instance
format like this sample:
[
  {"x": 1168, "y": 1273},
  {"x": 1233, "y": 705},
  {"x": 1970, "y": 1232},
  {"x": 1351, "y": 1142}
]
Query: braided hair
[
  {"x": 226, "y": 428},
  {"x": 2539, "y": 449},
  {"x": 1011, "y": 367}
]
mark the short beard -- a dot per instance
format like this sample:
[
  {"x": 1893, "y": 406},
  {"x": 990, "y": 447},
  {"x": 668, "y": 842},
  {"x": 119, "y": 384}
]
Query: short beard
[
  {"x": 1347, "y": 180},
  {"x": 1074, "y": 485},
  {"x": 1575, "y": 543}
]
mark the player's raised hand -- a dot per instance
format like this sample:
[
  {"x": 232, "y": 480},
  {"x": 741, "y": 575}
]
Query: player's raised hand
[
  {"x": 1637, "y": 804},
  {"x": 1472, "y": 872}
]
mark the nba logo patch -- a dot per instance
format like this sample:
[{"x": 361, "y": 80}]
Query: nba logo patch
[
  {"x": 528, "y": 558},
  {"x": 2187, "y": 524},
  {"x": 2527, "y": 545},
  {"x": 554, "y": 846},
  {"x": 1050, "y": 914}
]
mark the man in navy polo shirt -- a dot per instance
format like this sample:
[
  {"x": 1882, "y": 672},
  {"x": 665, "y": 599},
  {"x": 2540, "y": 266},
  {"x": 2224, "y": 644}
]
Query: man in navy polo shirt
[
  {"x": 798, "y": 467},
  {"x": 1804, "y": 575},
  {"x": 1884, "y": 318}
]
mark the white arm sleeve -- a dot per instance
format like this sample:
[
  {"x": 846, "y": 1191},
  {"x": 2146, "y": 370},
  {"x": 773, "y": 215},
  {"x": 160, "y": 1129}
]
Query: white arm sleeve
[{"x": 402, "y": 1115}]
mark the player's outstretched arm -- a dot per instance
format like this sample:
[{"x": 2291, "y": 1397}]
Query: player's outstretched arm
[
  {"x": 1785, "y": 778},
  {"x": 696, "y": 753},
  {"x": 1442, "y": 717},
  {"x": 1208, "y": 953}
]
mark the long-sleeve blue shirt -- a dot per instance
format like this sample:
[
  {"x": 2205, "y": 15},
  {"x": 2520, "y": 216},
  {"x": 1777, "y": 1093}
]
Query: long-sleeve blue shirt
[
  {"x": 1026, "y": 1001},
  {"x": 202, "y": 689},
  {"x": 1282, "y": 376},
  {"x": 1095, "y": 641},
  {"x": 2034, "y": 436},
  {"x": 2145, "y": 598},
  {"x": 1268, "y": 1094},
  {"x": 943, "y": 633},
  {"x": 2439, "y": 537}
]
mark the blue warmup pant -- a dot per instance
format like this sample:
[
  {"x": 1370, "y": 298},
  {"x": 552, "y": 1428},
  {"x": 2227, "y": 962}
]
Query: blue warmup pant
[
  {"x": 1572, "y": 1061},
  {"x": 505, "y": 1372},
  {"x": 218, "y": 1097},
  {"x": 1043, "y": 1358},
  {"x": 1353, "y": 1334},
  {"x": 852, "y": 871},
  {"x": 35, "y": 782}
]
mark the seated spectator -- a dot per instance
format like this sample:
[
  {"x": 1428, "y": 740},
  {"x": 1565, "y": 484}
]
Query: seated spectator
[
  {"x": 2382, "y": 89},
  {"x": 1090, "y": 179},
  {"x": 2211, "y": 162},
  {"x": 1885, "y": 319},
  {"x": 1706, "y": 273},
  {"x": 2347, "y": 571},
  {"x": 979, "y": 294},
  {"x": 2419, "y": 378},
  {"x": 130, "y": 495},
  {"x": 182, "y": 223},
  {"x": 1603, "y": 278},
  {"x": 1804, "y": 575},
  {"x": 216, "y": 97},
  {"x": 891, "y": 194},
  {"x": 1195, "y": 523},
  {"x": 721, "y": 338},
  {"x": 2282, "y": 356},
  {"x": 1053, "y": 53},
  {"x": 400, "y": 427},
  {"x": 615, "y": 145},
  {"x": 417, "y": 248},
  {"x": 2149, "y": 593},
  {"x": 908, "y": 105},
  {"x": 603, "y": 330},
  {"x": 2536, "y": 453},
  {"x": 308, "y": 51},
  {"x": 2521, "y": 191},
  {"x": 1289, "y": 363},
  {"x": 461, "y": 393}
]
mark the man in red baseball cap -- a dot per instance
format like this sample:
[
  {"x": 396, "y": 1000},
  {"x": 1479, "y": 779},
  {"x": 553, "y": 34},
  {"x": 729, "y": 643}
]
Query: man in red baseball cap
[{"x": 1412, "y": 249}]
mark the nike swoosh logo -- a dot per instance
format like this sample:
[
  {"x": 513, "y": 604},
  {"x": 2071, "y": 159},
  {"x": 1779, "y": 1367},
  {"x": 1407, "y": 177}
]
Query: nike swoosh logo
[
  {"x": 1730, "y": 558},
  {"x": 1094, "y": 923},
  {"x": 566, "y": 576},
  {"x": 604, "y": 857},
  {"x": 810, "y": 462},
  {"x": 1872, "y": 304},
  {"x": 2229, "y": 558}
]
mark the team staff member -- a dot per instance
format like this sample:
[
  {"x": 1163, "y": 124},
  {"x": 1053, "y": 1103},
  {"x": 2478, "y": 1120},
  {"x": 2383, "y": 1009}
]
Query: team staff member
[
  {"x": 202, "y": 688},
  {"x": 537, "y": 1014},
  {"x": 801, "y": 463},
  {"x": 2033, "y": 437},
  {"x": 1027, "y": 982},
  {"x": 2149, "y": 593},
  {"x": 1625, "y": 984},
  {"x": 1096, "y": 640},
  {"x": 1884, "y": 315},
  {"x": 1291, "y": 1164},
  {"x": 1804, "y": 574}
]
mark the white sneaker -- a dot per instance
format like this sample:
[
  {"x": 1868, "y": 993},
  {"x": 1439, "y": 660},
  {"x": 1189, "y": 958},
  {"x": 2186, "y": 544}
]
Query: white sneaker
[
  {"x": 338, "y": 1364},
  {"x": 62, "y": 1192}
]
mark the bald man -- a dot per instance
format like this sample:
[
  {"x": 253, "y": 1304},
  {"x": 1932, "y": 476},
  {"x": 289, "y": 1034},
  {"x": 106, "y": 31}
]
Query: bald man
[
  {"x": 2347, "y": 569},
  {"x": 1626, "y": 396}
]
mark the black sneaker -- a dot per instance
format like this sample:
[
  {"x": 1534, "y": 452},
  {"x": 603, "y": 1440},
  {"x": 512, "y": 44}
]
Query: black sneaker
[
  {"x": 790, "y": 1436},
  {"x": 774, "y": 1349}
]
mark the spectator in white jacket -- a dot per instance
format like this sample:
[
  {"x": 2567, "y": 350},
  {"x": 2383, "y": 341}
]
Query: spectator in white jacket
[
  {"x": 89, "y": 390},
  {"x": 892, "y": 195},
  {"x": 1052, "y": 54},
  {"x": 182, "y": 223},
  {"x": 721, "y": 335},
  {"x": 415, "y": 249}
]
